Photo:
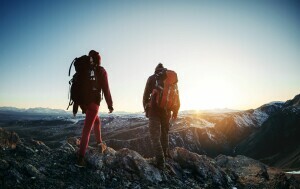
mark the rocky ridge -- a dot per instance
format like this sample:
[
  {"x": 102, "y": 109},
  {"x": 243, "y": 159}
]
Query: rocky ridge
[{"x": 27, "y": 163}]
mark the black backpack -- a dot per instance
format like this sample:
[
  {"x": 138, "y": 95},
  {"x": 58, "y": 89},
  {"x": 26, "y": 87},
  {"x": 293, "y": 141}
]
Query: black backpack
[{"x": 83, "y": 83}]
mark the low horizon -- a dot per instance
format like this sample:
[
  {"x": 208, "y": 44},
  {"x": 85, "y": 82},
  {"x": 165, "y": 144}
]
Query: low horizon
[{"x": 132, "y": 112}]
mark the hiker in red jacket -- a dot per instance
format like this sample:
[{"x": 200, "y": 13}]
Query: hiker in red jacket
[
  {"x": 92, "y": 119},
  {"x": 159, "y": 118}
]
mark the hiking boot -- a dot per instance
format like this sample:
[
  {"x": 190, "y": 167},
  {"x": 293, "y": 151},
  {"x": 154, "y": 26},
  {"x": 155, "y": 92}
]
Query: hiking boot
[
  {"x": 102, "y": 147},
  {"x": 170, "y": 170},
  {"x": 167, "y": 154},
  {"x": 80, "y": 162},
  {"x": 161, "y": 166},
  {"x": 160, "y": 162},
  {"x": 151, "y": 161}
]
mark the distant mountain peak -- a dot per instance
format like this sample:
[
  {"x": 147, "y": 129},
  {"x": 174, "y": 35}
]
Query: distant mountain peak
[
  {"x": 37, "y": 110},
  {"x": 294, "y": 102}
]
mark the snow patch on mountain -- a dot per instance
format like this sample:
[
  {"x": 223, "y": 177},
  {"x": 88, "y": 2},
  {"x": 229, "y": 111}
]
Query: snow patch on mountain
[
  {"x": 201, "y": 123},
  {"x": 260, "y": 117},
  {"x": 246, "y": 119},
  {"x": 211, "y": 136},
  {"x": 190, "y": 136},
  {"x": 256, "y": 117},
  {"x": 294, "y": 172}
]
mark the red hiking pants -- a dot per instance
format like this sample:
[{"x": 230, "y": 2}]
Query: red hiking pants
[{"x": 91, "y": 119}]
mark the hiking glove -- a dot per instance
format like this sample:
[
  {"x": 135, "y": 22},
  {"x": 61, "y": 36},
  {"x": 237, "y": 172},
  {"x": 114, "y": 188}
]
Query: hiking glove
[
  {"x": 174, "y": 115},
  {"x": 75, "y": 109},
  {"x": 111, "y": 109}
]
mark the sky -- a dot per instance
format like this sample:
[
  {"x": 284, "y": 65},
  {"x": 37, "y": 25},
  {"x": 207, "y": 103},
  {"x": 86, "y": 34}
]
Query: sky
[{"x": 227, "y": 54}]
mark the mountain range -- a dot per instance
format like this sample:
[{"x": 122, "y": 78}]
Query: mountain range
[
  {"x": 276, "y": 142},
  {"x": 268, "y": 129},
  {"x": 267, "y": 134}
]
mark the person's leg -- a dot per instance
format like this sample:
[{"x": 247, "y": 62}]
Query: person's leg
[
  {"x": 164, "y": 139},
  {"x": 155, "y": 132},
  {"x": 91, "y": 114},
  {"x": 97, "y": 130}
]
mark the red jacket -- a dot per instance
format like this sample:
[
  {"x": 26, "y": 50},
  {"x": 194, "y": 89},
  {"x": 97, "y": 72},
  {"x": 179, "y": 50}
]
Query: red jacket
[{"x": 104, "y": 87}]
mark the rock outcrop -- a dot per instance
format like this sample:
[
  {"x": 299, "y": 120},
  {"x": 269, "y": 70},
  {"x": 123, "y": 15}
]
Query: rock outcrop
[{"x": 32, "y": 164}]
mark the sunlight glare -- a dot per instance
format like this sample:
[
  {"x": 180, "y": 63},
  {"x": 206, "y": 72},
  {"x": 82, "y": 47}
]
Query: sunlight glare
[{"x": 210, "y": 94}]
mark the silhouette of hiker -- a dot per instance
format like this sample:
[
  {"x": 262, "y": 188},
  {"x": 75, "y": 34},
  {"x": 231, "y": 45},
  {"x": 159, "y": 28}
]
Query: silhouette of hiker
[
  {"x": 92, "y": 119},
  {"x": 159, "y": 117}
]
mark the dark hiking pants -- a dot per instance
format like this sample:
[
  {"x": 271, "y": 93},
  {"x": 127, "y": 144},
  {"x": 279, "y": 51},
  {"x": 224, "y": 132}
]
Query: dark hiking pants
[{"x": 159, "y": 128}]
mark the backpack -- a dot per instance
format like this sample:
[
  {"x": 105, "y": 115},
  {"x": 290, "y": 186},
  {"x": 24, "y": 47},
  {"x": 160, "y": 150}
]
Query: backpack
[
  {"x": 167, "y": 96},
  {"x": 83, "y": 83}
]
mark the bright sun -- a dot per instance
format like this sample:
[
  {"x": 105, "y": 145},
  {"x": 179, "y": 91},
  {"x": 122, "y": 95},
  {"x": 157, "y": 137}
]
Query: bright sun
[{"x": 209, "y": 94}]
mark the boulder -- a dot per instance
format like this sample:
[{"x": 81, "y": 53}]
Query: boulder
[
  {"x": 8, "y": 139},
  {"x": 133, "y": 162},
  {"x": 202, "y": 167}
]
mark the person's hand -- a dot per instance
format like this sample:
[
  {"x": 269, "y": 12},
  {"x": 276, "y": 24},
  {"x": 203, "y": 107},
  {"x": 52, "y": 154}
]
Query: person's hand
[
  {"x": 174, "y": 115},
  {"x": 147, "y": 108},
  {"x": 75, "y": 109},
  {"x": 147, "y": 114},
  {"x": 111, "y": 109}
]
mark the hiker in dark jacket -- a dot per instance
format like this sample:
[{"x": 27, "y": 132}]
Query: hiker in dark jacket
[
  {"x": 159, "y": 120},
  {"x": 92, "y": 119}
]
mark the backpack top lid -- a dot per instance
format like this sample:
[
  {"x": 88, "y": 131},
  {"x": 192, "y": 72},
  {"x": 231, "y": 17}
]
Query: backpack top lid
[
  {"x": 164, "y": 75},
  {"x": 82, "y": 64},
  {"x": 171, "y": 77}
]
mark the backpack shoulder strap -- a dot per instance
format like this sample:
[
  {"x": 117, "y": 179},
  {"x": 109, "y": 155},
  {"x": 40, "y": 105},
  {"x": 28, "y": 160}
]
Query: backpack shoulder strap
[
  {"x": 71, "y": 66},
  {"x": 99, "y": 75},
  {"x": 159, "y": 78}
]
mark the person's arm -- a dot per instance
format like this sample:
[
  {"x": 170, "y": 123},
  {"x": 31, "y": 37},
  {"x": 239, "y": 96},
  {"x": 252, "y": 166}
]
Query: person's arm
[
  {"x": 147, "y": 92},
  {"x": 175, "y": 112},
  {"x": 106, "y": 90}
]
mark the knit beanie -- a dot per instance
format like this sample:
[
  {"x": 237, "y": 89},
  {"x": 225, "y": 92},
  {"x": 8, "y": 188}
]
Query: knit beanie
[
  {"x": 159, "y": 67},
  {"x": 96, "y": 56}
]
